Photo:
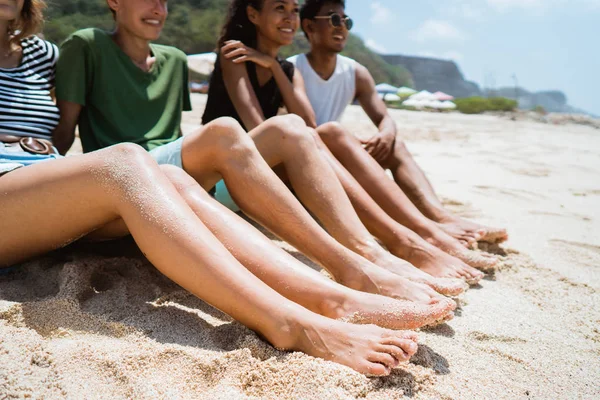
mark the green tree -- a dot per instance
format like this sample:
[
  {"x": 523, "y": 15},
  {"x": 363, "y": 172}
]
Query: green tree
[{"x": 194, "y": 27}]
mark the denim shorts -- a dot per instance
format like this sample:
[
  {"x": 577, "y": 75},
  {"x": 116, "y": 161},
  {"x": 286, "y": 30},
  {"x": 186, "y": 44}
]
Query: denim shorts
[
  {"x": 170, "y": 154},
  {"x": 12, "y": 158}
]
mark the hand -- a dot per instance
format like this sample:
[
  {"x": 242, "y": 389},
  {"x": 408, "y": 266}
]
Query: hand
[
  {"x": 380, "y": 146},
  {"x": 238, "y": 52}
]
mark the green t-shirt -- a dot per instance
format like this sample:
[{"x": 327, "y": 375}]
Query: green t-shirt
[{"x": 122, "y": 103}]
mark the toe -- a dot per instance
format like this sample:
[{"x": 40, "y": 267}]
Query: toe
[
  {"x": 397, "y": 353},
  {"x": 385, "y": 358},
  {"x": 374, "y": 369},
  {"x": 408, "y": 346}
]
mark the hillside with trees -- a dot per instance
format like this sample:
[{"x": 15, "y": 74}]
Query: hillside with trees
[{"x": 194, "y": 26}]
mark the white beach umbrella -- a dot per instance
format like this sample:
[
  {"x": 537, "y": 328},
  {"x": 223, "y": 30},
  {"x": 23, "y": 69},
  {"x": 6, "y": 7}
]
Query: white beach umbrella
[
  {"x": 448, "y": 105},
  {"x": 418, "y": 104},
  {"x": 406, "y": 91},
  {"x": 202, "y": 63},
  {"x": 423, "y": 95},
  {"x": 392, "y": 97},
  {"x": 386, "y": 88},
  {"x": 436, "y": 104}
]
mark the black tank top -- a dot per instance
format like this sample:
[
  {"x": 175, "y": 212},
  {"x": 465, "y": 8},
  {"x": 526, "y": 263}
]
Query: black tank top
[{"x": 219, "y": 103}]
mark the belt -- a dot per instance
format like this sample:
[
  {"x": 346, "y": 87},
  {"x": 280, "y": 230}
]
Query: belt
[{"x": 29, "y": 144}]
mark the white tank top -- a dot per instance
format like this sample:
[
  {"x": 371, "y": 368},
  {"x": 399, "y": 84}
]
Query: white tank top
[{"x": 329, "y": 98}]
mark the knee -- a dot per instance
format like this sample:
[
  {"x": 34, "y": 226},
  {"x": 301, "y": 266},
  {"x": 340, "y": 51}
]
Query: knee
[
  {"x": 331, "y": 131},
  {"x": 291, "y": 129},
  {"x": 227, "y": 136},
  {"x": 400, "y": 147},
  {"x": 128, "y": 156},
  {"x": 334, "y": 134},
  {"x": 124, "y": 165}
]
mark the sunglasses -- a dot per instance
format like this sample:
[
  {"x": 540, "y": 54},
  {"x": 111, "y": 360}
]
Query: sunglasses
[{"x": 336, "y": 20}]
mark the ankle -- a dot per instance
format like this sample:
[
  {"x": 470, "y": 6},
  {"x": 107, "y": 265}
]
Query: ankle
[
  {"x": 294, "y": 333},
  {"x": 369, "y": 249},
  {"x": 335, "y": 307}
]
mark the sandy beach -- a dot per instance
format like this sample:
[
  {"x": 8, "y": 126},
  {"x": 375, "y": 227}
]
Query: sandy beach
[{"x": 79, "y": 325}]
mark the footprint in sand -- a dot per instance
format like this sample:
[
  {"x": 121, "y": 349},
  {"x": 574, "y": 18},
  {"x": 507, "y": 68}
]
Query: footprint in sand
[
  {"x": 563, "y": 215},
  {"x": 511, "y": 192},
  {"x": 533, "y": 172},
  {"x": 485, "y": 337},
  {"x": 585, "y": 193},
  {"x": 585, "y": 253},
  {"x": 459, "y": 208}
]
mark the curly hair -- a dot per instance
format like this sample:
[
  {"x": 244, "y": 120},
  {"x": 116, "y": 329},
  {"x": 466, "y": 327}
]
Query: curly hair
[
  {"x": 237, "y": 25},
  {"x": 29, "y": 22}
]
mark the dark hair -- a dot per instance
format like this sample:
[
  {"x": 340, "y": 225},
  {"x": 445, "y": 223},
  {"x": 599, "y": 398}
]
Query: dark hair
[
  {"x": 29, "y": 22},
  {"x": 311, "y": 9},
  {"x": 237, "y": 25}
]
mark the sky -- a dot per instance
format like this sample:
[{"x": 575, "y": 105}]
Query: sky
[{"x": 545, "y": 44}]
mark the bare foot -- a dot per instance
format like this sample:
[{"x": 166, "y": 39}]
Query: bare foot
[
  {"x": 367, "y": 349},
  {"x": 365, "y": 308},
  {"x": 431, "y": 260},
  {"x": 467, "y": 238},
  {"x": 454, "y": 248},
  {"x": 460, "y": 228},
  {"x": 402, "y": 263},
  {"x": 376, "y": 280}
]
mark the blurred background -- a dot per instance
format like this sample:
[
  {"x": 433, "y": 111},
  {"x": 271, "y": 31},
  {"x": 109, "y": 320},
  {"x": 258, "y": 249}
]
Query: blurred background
[{"x": 539, "y": 53}]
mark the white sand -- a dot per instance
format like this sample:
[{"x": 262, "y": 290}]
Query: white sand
[{"x": 90, "y": 327}]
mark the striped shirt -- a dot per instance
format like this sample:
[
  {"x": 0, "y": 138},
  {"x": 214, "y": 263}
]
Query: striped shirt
[{"x": 26, "y": 107}]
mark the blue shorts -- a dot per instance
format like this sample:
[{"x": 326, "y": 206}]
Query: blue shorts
[
  {"x": 12, "y": 158},
  {"x": 170, "y": 154}
]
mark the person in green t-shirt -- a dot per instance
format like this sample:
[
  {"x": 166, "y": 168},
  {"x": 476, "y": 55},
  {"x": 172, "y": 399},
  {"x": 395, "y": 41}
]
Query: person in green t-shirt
[
  {"x": 119, "y": 87},
  {"x": 122, "y": 102}
]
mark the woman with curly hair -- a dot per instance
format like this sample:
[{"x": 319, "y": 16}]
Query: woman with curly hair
[{"x": 250, "y": 83}]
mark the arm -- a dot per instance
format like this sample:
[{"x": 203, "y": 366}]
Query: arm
[
  {"x": 380, "y": 145},
  {"x": 294, "y": 95},
  {"x": 74, "y": 76},
  {"x": 64, "y": 134},
  {"x": 239, "y": 88},
  {"x": 243, "y": 97}
]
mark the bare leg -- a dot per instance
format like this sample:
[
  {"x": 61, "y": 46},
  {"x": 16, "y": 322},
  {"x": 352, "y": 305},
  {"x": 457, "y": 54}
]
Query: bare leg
[
  {"x": 390, "y": 197},
  {"x": 400, "y": 240},
  {"x": 410, "y": 177},
  {"x": 290, "y": 277},
  {"x": 223, "y": 149},
  {"x": 315, "y": 182},
  {"x": 49, "y": 205}
]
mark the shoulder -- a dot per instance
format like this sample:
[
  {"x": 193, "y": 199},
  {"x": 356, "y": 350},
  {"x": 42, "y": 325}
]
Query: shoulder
[
  {"x": 347, "y": 64},
  {"x": 34, "y": 45},
  {"x": 362, "y": 73},
  {"x": 169, "y": 51},
  {"x": 90, "y": 36},
  {"x": 287, "y": 67},
  {"x": 347, "y": 60},
  {"x": 295, "y": 59},
  {"x": 365, "y": 83}
]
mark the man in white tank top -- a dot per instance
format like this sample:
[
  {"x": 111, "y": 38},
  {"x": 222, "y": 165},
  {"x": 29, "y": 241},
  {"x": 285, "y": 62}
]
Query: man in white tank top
[{"x": 332, "y": 82}]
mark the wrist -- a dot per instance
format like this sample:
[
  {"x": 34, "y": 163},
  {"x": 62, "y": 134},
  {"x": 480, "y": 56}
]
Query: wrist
[{"x": 273, "y": 64}]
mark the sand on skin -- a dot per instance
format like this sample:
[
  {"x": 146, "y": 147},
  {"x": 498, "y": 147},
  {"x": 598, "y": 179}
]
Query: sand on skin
[{"x": 112, "y": 327}]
